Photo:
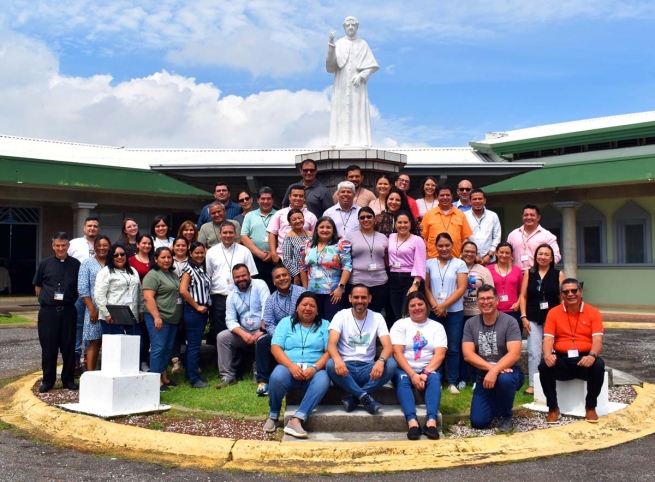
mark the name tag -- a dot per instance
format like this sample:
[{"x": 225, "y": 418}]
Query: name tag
[
  {"x": 249, "y": 321},
  {"x": 504, "y": 298},
  {"x": 442, "y": 295},
  {"x": 127, "y": 299},
  {"x": 360, "y": 349},
  {"x": 318, "y": 274},
  {"x": 59, "y": 296},
  {"x": 179, "y": 301},
  {"x": 396, "y": 264},
  {"x": 265, "y": 239},
  {"x": 372, "y": 266},
  {"x": 230, "y": 281},
  {"x": 573, "y": 354},
  {"x": 543, "y": 305},
  {"x": 525, "y": 257},
  {"x": 303, "y": 366},
  {"x": 209, "y": 302}
]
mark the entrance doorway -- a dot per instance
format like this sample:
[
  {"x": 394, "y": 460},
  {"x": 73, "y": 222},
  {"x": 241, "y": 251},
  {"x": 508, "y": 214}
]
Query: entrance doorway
[{"x": 19, "y": 248}]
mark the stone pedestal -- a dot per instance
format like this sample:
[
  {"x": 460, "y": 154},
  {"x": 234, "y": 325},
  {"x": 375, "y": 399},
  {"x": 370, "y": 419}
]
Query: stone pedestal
[{"x": 119, "y": 388}]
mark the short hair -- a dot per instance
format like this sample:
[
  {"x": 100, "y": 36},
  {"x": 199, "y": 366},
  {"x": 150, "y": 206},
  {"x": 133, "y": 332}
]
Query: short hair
[
  {"x": 278, "y": 266},
  {"x": 60, "y": 236},
  {"x": 531, "y": 206},
  {"x": 226, "y": 224},
  {"x": 302, "y": 164},
  {"x": 353, "y": 167},
  {"x": 478, "y": 191},
  {"x": 346, "y": 185},
  {"x": 265, "y": 190},
  {"x": 402, "y": 173},
  {"x": 214, "y": 204},
  {"x": 292, "y": 212},
  {"x": 296, "y": 187},
  {"x": 100, "y": 238},
  {"x": 445, "y": 187},
  {"x": 361, "y": 285},
  {"x": 239, "y": 266},
  {"x": 570, "y": 281},
  {"x": 351, "y": 18},
  {"x": 221, "y": 184},
  {"x": 91, "y": 218},
  {"x": 485, "y": 288}
]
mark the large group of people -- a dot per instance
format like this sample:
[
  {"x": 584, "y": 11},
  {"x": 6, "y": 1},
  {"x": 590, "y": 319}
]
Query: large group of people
[{"x": 350, "y": 287}]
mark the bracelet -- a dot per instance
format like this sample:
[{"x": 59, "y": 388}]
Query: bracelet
[
  {"x": 314, "y": 367},
  {"x": 524, "y": 316}
]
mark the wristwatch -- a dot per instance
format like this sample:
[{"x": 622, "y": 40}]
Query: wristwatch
[
  {"x": 591, "y": 353},
  {"x": 382, "y": 359},
  {"x": 342, "y": 286},
  {"x": 416, "y": 282}
]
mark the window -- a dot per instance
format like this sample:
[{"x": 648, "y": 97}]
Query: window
[
  {"x": 591, "y": 237},
  {"x": 632, "y": 234}
]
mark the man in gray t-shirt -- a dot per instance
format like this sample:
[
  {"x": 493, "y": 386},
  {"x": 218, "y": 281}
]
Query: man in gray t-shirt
[
  {"x": 492, "y": 344},
  {"x": 352, "y": 347}
]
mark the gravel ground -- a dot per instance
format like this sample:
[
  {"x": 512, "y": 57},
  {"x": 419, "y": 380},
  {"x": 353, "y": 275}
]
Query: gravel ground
[{"x": 20, "y": 352}]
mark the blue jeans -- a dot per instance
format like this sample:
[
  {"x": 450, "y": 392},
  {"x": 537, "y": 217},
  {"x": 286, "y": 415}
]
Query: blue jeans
[
  {"x": 406, "y": 395},
  {"x": 161, "y": 344},
  {"x": 497, "y": 401},
  {"x": 263, "y": 358},
  {"x": 81, "y": 308},
  {"x": 195, "y": 330},
  {"x": 453, "y": 323},
  {"x": 358, "y": 380},
  {"x": 281, "y": 382}
]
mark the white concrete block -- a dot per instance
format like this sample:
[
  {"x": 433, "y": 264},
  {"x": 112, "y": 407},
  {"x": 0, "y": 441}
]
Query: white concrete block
[
  {"x": 571, "y": 397},
  {"x": 120, "y": 354}
]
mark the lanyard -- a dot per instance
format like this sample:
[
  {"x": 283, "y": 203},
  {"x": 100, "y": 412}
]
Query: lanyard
[
  {"x": 443, "y": 277},
  {"x": 361, "y": 330},
  {"x": 398, "y": 246},
  {"x": 573, "y": 331},
  {"x": 450, "y": 220},
  {"x": 426, "y": 204},
  {"x": 303, "y": 341},
  {"x": 229, "y": 262},
  {"x": 268, "y": 217},
  {"x": 243, "y": 300},
  {"x": 345, "y": 223},
  {"x": 503, "y": 277},
  {"x": 370, "y": 246}
]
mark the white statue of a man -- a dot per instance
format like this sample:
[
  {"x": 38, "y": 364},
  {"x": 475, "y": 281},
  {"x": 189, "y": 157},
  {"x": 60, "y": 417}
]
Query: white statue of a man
[{"x": 351, "y": 61}]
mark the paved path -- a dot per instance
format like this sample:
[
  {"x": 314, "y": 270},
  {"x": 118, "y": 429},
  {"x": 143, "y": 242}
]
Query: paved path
[{"x": 22, "y": 459}]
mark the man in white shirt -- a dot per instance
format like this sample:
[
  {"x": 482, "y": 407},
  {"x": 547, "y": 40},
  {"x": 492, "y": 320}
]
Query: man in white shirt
[
  {"x": 352, "y": 348},
  {"x": 485, "y": 226},
  {"x": 527, "y": 238},
  {"x": 344, "y": 213},
  {"x": 244, "y": 320},
  {"x": 82, "y": 249},
  {"x": 219, "y": 261}
]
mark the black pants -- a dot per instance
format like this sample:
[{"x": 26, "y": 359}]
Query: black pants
[
  {"x": 565, "y": 369},
  {"x": 216, "y": 318},
  {"x": 265, "y": 269},
  {"x": 399, "y": 283},
  {"x": 57, "y": 327}
]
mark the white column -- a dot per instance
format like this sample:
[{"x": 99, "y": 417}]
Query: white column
[
  {"x": 82, "y": 211},
  {"x": 569, "y": 242}
]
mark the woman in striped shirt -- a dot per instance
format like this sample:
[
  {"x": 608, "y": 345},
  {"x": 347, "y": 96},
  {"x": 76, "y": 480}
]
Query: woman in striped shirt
[{"x": 195, "y": 289}]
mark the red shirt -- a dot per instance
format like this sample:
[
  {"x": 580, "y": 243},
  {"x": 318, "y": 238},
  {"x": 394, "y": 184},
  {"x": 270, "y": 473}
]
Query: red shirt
[
  {"x": 573, "y": 331},
  {"x": 141, "y": 268}
]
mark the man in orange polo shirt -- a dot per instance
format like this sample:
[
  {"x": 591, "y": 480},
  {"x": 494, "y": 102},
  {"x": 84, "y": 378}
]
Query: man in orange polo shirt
[
  {"x": 445, "y": 218},
  {"x": 573, "y": 339}
]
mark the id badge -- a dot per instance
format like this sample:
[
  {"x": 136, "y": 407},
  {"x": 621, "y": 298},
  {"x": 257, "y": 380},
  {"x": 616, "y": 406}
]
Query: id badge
[
  {"x": 504, "y": 298},
  {"x": 303, "y": 366},
  {"x": 59, "y": 296},
  {"x": 372, "y": 266},
  {"x": 360, "y": 349},
  {"x": 250, "y": 321},
  {"x": 442, "y": 295},
  {"x": 265, "y": 239},
  {"x": 230, "y": 281},
  {"x": 525, "y": 257},
  {"x": 209, "y": 302},
  {"x": 543, "y": 305},
  {"x": 179, "y": 301},
  {"x": 318, "y": 275},
  {"x": 127, "y": 299},
  {"x": 396, "y": 264},
  {"x": 573, "y": 354}
]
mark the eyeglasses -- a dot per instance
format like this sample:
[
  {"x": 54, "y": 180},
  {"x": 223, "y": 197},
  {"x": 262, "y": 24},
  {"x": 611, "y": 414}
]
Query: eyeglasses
[
  {"x": 403, "y": 181},
  {"x": 119, "y": 255},
  {"x": 465, "y": 189},
  {"x": 366, "y": 217},
  {"x": 309, "y": 171},
  {"x": 245, "y": 199},
  {"x": 574, "y": 291},
  {"x": 486, "y": 300}
]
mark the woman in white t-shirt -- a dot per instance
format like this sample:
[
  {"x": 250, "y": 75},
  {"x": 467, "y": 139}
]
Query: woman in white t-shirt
[{"x": 419, "y": 348}]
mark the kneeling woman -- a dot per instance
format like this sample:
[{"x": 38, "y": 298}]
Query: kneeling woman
[
  {"x": 299, "y": 345},
  {"x": 419, "y": 347}
]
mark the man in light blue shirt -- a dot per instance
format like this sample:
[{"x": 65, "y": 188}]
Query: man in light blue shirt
[
  {"x": 255, "y": 237},
  {"x": 244, "y": 321}
]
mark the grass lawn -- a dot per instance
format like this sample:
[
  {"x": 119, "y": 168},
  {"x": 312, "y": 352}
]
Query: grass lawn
[
  {"x": 240, "y": 400},
  {"x": 11, "y": 320}
]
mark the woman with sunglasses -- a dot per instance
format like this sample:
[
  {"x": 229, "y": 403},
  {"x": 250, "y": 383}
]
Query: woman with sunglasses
[
  {"x": 159, "y": 232},
  {"x": 429, "y": 200},
  {"x": 383, "y": 185},
  {"x": 86, "y": 281},
  {"x": 325, "y": 267},
  {"x": 369, "y": 254},
  {"x": 539, "y": 293},
  {"x": 245, "y": 203},
  {"x": 292, "y": 243}
]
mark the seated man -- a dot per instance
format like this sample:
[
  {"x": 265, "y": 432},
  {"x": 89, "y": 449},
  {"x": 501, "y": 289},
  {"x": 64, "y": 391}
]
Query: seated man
[
  {"x": 244, "y": 319},
  {"x": 492, "y": 344},
  {"x": 352, "y": 347},
  {"x": 280, "y": 304},
  {"x": 575, "y": 331}
]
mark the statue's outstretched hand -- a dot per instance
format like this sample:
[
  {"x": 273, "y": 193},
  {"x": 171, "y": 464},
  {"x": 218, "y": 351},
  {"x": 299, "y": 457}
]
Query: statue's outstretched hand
[{"x": 333, "y": 34}]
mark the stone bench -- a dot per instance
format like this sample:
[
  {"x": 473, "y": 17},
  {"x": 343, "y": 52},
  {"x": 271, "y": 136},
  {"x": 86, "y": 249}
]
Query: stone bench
[{"x": 571, "y": 397}]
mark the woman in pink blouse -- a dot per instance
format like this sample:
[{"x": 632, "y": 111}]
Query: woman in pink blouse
[
  {"x": 507, "y": 280},
  {"x": 407, "y": 256}
]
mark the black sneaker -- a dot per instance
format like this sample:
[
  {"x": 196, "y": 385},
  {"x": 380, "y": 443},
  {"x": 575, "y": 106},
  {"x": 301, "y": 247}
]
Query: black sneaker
[
  {"x": 71, "y": 386},
  {"x": 350, "y": 403},
  {"x": 431, "y": 432},
  {"x": 414, "y": 433},
  {"x": 370, "y": 405},
  {"x": 45, "y": 387},
  {"x": 505, "y": 425}
]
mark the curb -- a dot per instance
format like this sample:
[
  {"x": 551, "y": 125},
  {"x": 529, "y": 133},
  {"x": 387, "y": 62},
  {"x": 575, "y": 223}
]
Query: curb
[{"x": 21, "y": 408}]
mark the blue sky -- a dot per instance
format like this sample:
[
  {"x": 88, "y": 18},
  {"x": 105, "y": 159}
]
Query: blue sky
[{"x": 250, "y": 74}]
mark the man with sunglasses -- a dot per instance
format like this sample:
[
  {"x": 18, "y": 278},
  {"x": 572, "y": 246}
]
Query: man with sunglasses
[
  {"x": 318, "y": 198},
  {"x": 573, "y": 339},
  {"x": 464, "y": 189},
  {"x": 492, "y": 344}
]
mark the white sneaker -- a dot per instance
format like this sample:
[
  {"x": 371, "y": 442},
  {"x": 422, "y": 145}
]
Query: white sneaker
[
  {"x": 461, "y": 385},
  {"x": 177, "y": 366},
  {"x": 474, "y": 384},
  {"x": 145, "y": 367},
  {"x": 453, "y": 389},
  {"x": 295, "y": 429}
]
